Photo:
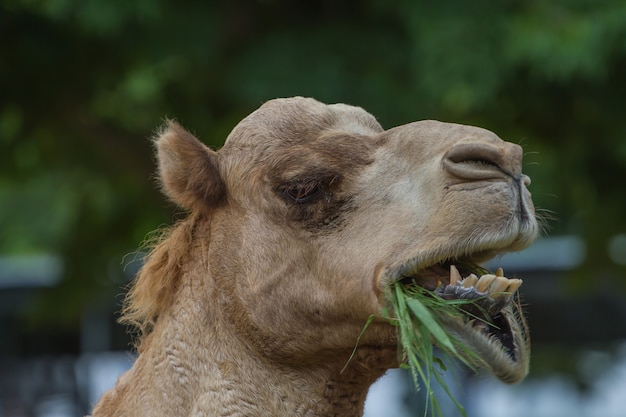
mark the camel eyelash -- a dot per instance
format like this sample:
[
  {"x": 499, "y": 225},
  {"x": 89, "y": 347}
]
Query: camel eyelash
[
  {"x": 306, "y": 193},
  {"x": 309, "y": 190}
]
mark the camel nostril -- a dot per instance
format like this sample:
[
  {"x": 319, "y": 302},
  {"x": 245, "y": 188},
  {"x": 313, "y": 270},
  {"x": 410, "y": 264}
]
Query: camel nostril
[{"x": 473, "y": 161}]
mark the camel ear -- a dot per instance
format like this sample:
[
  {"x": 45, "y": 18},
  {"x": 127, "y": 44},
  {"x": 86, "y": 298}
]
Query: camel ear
[{"x": 188, "y": 169}]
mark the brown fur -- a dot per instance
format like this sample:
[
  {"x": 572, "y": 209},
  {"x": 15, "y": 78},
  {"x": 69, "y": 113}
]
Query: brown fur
[{"x": 252, "y": 305}]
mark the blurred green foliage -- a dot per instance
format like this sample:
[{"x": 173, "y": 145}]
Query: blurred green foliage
[{"x": 84, "y": 83}]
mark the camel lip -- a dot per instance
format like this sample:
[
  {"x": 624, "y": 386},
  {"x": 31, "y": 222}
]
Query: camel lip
[
  {"x": 498, "y": 330},
  {"x": 469, "y": 253}
]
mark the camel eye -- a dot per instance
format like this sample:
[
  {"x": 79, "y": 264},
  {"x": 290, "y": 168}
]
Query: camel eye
[{"x": 305, "y": 193}]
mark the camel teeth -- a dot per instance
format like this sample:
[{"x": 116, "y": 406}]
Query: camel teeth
[
  {"x": 514, "y": 285},
  {"x": 455, "y": 276},
  {"x": 479, "y": 325},
  {"x": 470, "y": 281},
  {"x": 499, "y": 285},
  {"x": 500, "y": 272},
  {"x": 484, "y": 282}
]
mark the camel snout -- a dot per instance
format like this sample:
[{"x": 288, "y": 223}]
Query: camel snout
[{"x": 479, "y": 161}]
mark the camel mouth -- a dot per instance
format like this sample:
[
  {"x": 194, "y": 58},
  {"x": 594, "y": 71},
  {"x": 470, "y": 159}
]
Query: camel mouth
[{"x": 487, "y": 317}]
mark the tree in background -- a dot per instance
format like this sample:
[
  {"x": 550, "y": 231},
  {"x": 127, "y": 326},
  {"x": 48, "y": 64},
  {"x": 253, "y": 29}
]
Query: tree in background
[{"x": 83, "y": 83}]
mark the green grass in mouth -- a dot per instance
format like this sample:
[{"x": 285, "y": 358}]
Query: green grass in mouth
[{"x": 417, "y": 315}]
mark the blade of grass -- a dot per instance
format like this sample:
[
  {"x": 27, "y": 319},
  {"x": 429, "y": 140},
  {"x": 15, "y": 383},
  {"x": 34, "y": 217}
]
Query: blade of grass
[
  {"x": 424, "y": 316},
  {"x": 367, "y": 324}
]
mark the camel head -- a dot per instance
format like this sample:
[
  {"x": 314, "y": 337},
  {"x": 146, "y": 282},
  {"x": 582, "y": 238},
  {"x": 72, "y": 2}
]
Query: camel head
[{"x": 306, "y": 215}]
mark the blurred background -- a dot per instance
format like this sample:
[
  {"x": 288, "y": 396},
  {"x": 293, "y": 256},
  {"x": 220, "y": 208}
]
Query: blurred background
[{"x": 85, "y": 83}]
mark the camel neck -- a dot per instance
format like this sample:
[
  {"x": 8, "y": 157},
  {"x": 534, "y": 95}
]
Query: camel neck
[
  {"x": 174, "y": 378},
  {"x": 196, "y": 363}
]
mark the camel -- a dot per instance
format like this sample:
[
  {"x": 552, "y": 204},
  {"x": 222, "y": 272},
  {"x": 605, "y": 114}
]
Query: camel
[{"x": 252, "y": 304}]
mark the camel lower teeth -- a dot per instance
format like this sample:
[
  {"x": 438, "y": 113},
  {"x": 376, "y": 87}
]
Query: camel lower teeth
[
  {"x": 480, "y": 325},
  {"x": 496, "y": 286},
  {"x": 469, "y": 281},
  {"x": 484, "y": 282}
]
